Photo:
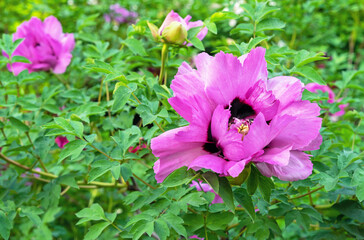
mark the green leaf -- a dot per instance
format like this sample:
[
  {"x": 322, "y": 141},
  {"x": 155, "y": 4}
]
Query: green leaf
[
  {"x": 212, "y": 179},
  {"x": 351, "y": 209},
  {"x": 175, "y": 222},
  {"x": 265, "y": 187},
  {"x": 197, "y": 43},
  {"x": 50, "y": 195},
  {"x": 161, "y": 228},
  {"x": 95, "y": 212},
  {"x": 211, "y": 26},
  {"x": 95, "y": 230},
  {"x": 18, "y": 124},
  {"x": 304, "y": 57},
  {"x": 219, "y": 221},
  {"x": 32, "y": 213},
  {"x": 253, "y": 180},
  {"x": 121, "y": 96},
  {"x": 194, "y": 199},
  {"x": 135, "y": 46},
  {"x": 68, "y": 180},
  {"x": 226, "y": 193},
  {"x": 146, "y": 114},
  {"x": 270, "y": 24},
  {"x": 73, "y": 148},
  {"x": 220, "y": 16},
  {"x": 177, "y": 177},
  {"x": 125, "y": 170},
  {"x": 5, "y": 225},
  {"x": 243, "y": 198},
  {"x": 19, "y": 59},
  {"x": 309, "y": 73},
  {"x": 100, "y": 167}
]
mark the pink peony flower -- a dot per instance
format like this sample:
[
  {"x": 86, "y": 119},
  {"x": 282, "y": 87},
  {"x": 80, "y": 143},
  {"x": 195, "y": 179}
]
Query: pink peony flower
[
  {"x": 238, "y": 116},
  {"x": 61, "y": 141},
  {"x": 206, "y": 188},
  {"x": 174, "y": 17},
  {"x": 120, "y": 15},
  {"x": 44, "y": 45},
  {"x": 314, "y": 87}
]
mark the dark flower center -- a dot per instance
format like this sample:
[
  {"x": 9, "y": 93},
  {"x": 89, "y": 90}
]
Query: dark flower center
[
  {"x": 211, "y": 143},
  {"x": 238, "y": 110}
]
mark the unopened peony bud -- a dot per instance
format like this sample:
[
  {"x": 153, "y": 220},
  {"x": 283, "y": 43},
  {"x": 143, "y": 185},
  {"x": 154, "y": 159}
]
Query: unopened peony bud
[{"x": 175, "y": 33}]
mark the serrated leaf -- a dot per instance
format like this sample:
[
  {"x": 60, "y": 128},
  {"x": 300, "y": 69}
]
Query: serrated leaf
[
  {"x": 121, "y": 96},
  {"x": 95, "y": 212},
  {"x": 161, "y": 228},
  {"x": 100, "y": 167},
  {"x": 135, "y": 46},
  {"x": 95, "y": 230},
  {"x": 73, "y": 148}
]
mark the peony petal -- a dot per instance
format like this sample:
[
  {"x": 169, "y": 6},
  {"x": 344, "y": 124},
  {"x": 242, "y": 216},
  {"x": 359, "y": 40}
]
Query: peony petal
[
  {"x": 172, "y": 153},
  {"x": 223, "y": 78},
  {"x": 262, "y": 100},
  {"x": 255, "y": 67},
  {"x": 298, "y": 168},
  {"x": 209, "y": 161},
  {"x": 303, "y": 130},
  {"x": 53, "y": 27},
  {"x": 275, "y": 156},
  {"x": 286, "y": 89}
]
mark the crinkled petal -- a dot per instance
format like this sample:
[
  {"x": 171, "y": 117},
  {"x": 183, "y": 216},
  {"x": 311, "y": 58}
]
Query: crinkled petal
[
  {"x": 235, "y": 168},
  {"x": 255, "y": 67},
  {"x": 172, "y": 153},
  {"x": 262, "y": 100},
  {"x": 286, "y": 89},
  {"x": 275, "y": 156},
  {"x": 303, "y": 130},
  {"x": 298, "y": 168}
]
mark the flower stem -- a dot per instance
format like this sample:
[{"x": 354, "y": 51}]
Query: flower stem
[
  {"x": 81, "y": 184},
  {"x": 100, "y": 92},
  {"x": 163, "y": 64}
]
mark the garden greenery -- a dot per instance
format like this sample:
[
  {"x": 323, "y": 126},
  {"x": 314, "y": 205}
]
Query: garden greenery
[{"x": 181, "y": 119}]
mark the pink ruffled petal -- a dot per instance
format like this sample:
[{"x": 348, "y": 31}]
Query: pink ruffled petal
[
  {"x": 209, "y": 161},
  {"x": 275, "y": 156},
  {"x": 172, "y": 153},
  {"x": 303, "y": 130},
  {"x": 298, "y": 168},
  {"x": 286, "y": 89}
]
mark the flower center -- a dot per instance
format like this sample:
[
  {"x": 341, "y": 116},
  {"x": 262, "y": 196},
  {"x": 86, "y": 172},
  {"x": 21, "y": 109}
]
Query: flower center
[
  {"x": 240, "y": 110},
  {"x": 241, "y": 125}
]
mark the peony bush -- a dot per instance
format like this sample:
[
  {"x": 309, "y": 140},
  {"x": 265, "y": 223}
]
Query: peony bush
[{"x": 126, "y": 120}]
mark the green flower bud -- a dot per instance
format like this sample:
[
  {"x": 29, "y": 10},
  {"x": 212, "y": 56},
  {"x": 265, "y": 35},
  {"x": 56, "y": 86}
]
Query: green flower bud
[{"x": 175, "y": 33}]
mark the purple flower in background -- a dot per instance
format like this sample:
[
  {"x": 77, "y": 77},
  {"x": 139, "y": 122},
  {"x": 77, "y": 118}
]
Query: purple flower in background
[
  {"x": 172, "y": 19},
  {"x": 314, "y": 87},
  {"x": 238, "y": 116},
  {"x": 206, "y": 188},
  {"x": 45, "y": 46},
  {"x": 196, "y": 237},
  {"x": 120, "y": 15},
  {"x": 61, "y": 141}
]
